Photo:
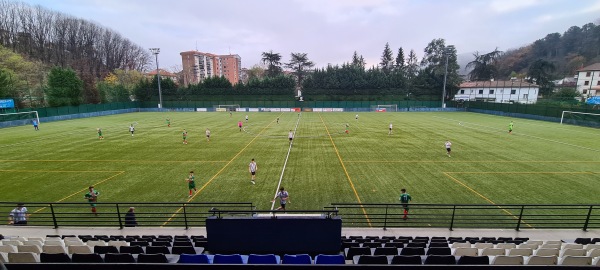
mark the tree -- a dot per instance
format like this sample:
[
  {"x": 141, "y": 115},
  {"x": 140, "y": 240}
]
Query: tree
[
  {"x": 300, "y": 65},
  {"x": 358, "y": 61},
  {"x": 434, "y": 63},
  {"x": 273, "y": 62},
  {"x": 64, "y": 87},
  {"x": 400, "y": 63},
  {"x": 412, "y": 65},
  {"x": 387, "y": 59},
  {"x": 256, "y": 72},
  {"x": 484, "y": 66},
  {"x": 6, "y": 84},
  {"x": 540, "y": 73}
]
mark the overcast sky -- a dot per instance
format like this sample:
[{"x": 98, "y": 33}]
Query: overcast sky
[{"x": 329, "y": 31}]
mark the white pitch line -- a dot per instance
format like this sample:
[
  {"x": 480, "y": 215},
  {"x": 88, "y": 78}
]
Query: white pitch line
[{"x": 285, "y": 164}]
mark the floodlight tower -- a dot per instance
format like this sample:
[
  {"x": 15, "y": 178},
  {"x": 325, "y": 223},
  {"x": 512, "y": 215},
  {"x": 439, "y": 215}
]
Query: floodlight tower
[
  {"x": 447, "y": 51},
  {"x": 156, "y": 51}
]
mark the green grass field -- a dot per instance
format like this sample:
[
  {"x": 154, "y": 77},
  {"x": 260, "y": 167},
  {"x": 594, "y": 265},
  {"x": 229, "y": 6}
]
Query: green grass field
[{"x": 540, "y": 163}]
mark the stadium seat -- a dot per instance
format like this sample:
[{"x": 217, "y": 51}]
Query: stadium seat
[
  {"x": 385, "y": 251},
  {"x": 440, "y": 259},
  {"x": 297, "y": 259},
  {"x": 572, "y": 246},
  {"x": 406, "y": 259},
  {"x": 504, "y": 239},
  {"x": 157, "y": 250},
  {"x": 263, "y": 259},
  {"x": 465, "y": 251},
  {"x": 473, "y": 260},
  {"x": 461, "y": 245},
  {"x": 547, "y": 252},
  {"x": 520, "y": 252},
  {"x": 412, "y": 251},
  {"x": 596, "y": 261},
  {"x": 416, "y": 244},
  {"x": 439, "y": 251},
  {"x": 12, "y": 242},
  {"x": 117, "y": 243},
  {"x": 353, "y": 251},
  {"x": 394, "y": 244},
  {"x": 152, "y": 258},
  {"x": 388, "y": 238},
  {"x": 573, "y": 252},
  {"x": 453, "y": 239},
  {"x": 554, "y": 242},
  {"x": 595, "y": 240},
  {"x": 131, "y": 249},
  {"x": 87, "y": 258},
  {"x": 30, "y": 248},
  {"x": 139, "y": 243},
  {"x": 3, "y": 258},
  {"x": 592, "y": 246},
  {"x": 23, "y": 257},
  {"x": 39, "y": 243},
  {"x": 595, "y": 252},
  {"x": 105, "y": 249},
  {"x": 8, "y": 248},
  {"x": 541, "y": 260},
  {"x": 372, "y": 244},
  {"x": 438, "y": 244},
  {"x": 575, "y": 260},
  {"x": 507, "y": 260},
  {"x": 439, "y": 239},
  {"x": 529, "y": 246},
  {"x": 372, "y": 259},
  {"x": 119, "y": 258},
  {"x": 493, "y": 252},
  {"x": 330, "y": 259},
  {"x": 554, "y": 246},
  {"x": 93, "y": 243},
  {"x": 83, "y": 249},
  {"x": 54, "y": 243},
  {"x": 228, "y": 259},
  {"x": 583, "y": 241},
  {"x": 193, "y": 258},
  {"x": 506, "y": 245},
  {"x": 183, "y": 249},
  {"x": 55, "y": 258},
  {"x": 160, "y": 243},
  {"x": 54, "y": 249},
  {"x": 483, "y": 245},
  {"x": 182, "y": 243}
]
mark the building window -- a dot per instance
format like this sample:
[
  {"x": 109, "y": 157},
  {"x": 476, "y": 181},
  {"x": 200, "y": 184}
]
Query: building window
[
  {"x": 462, "y": 91},
  {"x": 586, "y": 83},
  {"x": 525, "y": 96},
  {"x": 598, "y": 83},
  {"x": 513, "y": 91},
  {"x": 471, "y": 92},
  {"x": 491, "y": 91},
  {"x": 587, "y": 74},
  {"x": 481, "y": 91},
  {"x": 501, "y": 91}
]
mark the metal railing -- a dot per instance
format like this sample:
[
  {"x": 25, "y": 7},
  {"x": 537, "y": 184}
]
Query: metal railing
[
  {"x": 510, "y": 216},
  {"x": 222, "y": 213},
  {"x": 163, "y": 214}
]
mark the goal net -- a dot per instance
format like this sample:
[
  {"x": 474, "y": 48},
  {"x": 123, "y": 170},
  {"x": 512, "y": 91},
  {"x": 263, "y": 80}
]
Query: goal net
[
  {"x": 386, "y": 108},
  {"x": 580, "y": 118},
  {"x": 227, "y": 107},
  {"x": 18, "y": 118}
]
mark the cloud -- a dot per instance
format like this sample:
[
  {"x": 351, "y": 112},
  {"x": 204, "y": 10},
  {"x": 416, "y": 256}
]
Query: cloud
[{"x": 503, "y": 6}]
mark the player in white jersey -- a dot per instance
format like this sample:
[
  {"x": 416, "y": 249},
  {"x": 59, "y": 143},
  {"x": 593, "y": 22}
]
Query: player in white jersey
[
  {"x": 391, "y": 132},
  {"x": 252, "y": 168},
  {"x": 356, "y": 117},
  {"x": 448, "y": 145},
  {"x": 291, "y": 136},
  {"x": 131, "y": 129},
  {"x": 208, "y": 135}
]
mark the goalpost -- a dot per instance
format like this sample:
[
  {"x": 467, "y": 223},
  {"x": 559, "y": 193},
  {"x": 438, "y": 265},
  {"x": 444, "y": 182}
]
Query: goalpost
[
  {"x": 580, "y": 118},
  {"x": 24, "y": 116},
  {"x": 227, "y": 107},
  {"x": 386, "y": 108}
]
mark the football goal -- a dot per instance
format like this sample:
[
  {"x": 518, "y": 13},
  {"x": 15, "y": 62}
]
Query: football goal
[
  {"x": 227, "y": 107},
  {"x": 386, "y": 108},
  {"x": 580, "y": 118},
  {"x": 26, "y": 117}
]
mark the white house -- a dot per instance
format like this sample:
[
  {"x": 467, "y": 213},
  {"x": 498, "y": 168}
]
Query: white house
[
  {"x": 588, "y": 80},
  {"x": 498, "y": 91}
]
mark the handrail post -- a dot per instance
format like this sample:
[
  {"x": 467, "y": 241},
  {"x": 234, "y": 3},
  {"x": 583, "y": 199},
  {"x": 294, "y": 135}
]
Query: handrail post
[
  {"x": 185, "y": 220},
  {"x": 53, "y": 216},
  {"x": 452, "y": 219},
  {"x": 587, "y": 219},
  {"x": 385, "y": 217},
  {"x": 520, "y": 218},
  {"x": 119, "y": 217}
]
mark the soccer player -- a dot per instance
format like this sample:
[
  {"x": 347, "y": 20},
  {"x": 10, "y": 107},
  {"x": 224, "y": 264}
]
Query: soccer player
[
  {"x": 131, "y": 129},
  {"x": 92, "y": 197},
  {"x": 246, "y": 118},
  {"x": 35, "y": 125},
  {"x": 404, "y": 200},
  {"x": 347, "y": 126},
  {"x": 240, "y": 124},
  {"x": 184, "y": 134},
  {"x": 100, "y": 137},
  {"x": 230, "y": 114},
  {"x": 277, "y": 120},
  {"x": 252, "y": 168},
  {"x": 168, "y": 122},
  {"x": 390, "y": 132},
  {"x": 356, "y": 117},
  {"x": 208, "y": 135},
  {"x": 448, "y": 145},
  {"x": 291, "y": 136},
  {"x": 191, "y": 183},
  {"x": 283, "y": 198},
  {"x": 510, "y": 127}
]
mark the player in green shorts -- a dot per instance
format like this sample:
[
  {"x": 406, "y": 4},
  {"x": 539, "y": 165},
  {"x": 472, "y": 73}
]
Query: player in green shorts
[
  {"x": 168, "y": 122},
  {"x": 191, "y": 183},
  {"x": 404, "y": 200},
  {"x": 100, "y": 137},
  {"x": 184, "y": 136},
  {"x": 510, "y": 127},
  {"x": 92, "y": 197}
]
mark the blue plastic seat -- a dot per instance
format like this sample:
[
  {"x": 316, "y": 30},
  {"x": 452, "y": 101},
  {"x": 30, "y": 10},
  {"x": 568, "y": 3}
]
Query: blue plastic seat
[
  {"x": 193, "y": 258},
  {"x": 228, "y": 259},
  {"x": 297, "y": 259},
  {"x": 330, "y": 259},
  {"x": 262, "y": 259}
]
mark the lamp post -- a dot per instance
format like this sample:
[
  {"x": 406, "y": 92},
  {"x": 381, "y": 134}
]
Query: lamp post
[
  {"x": 447, "y": 51},
  {"x": 156, "y": 51}
]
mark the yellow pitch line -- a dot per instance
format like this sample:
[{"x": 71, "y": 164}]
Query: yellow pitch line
[
  {"x": 486, "y": 198},
  {"x": 523, "y": 172},
  {"x": 112, "y": 160},
  {"x": 346, "y": 171},
  {"x": 214, "y": 176},
  {"x": 465, "y": 161},
  {"x": 58, "y": 171},
  {"x": 78, "y": 192}
]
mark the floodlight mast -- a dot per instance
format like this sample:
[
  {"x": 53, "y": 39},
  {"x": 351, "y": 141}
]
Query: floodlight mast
[
  {"x": 447, "y": 52},
  {"x": 156, "y": 51}
]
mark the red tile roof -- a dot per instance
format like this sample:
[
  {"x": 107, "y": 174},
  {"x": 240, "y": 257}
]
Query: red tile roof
[
  {"x": 592, "y": 67},
  {"x": 497, "y": 84}
]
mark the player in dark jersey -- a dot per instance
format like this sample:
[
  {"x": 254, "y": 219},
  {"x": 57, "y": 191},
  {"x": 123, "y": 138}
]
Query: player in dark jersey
[{"x": 404, "y": 200}]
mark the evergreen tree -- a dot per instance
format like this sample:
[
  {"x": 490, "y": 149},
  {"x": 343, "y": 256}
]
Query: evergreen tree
[
  {"x": 387, "y": 59},
  {"x": 64, "y": 87},
  {"x": 273, "y": 62},
  {"x": 300, "y": 66},
  {"x": 400, "y": 63},
  {"x": 484, "y": 66}
]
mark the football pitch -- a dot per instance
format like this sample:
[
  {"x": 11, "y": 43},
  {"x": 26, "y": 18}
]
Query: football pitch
[{"x": 539, "y": 163}]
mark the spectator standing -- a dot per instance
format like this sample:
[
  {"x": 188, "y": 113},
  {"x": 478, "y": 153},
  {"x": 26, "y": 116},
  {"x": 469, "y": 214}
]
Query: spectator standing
[{"x": 18, "y": 216}]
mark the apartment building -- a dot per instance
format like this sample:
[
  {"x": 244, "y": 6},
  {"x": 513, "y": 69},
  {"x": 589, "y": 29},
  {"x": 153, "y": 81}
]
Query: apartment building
[{"x": 198, "y": 66}]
